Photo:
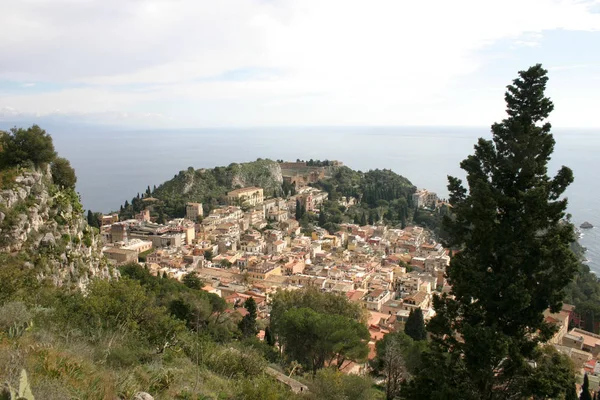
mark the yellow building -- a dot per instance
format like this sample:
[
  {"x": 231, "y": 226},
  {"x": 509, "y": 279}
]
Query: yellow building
[
  {"x": 263, "y": 271},
  {"x": 252, "y": 196}
]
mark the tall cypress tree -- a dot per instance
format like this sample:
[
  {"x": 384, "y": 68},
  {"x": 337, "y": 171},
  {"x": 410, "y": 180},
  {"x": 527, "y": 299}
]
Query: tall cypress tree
[
  {"x": 269, "y": 338},
  {"x": 415, "y": 325},
  {"x": 298, "y": 210},
  {"x": 363, "y": 219},
  {"x": 514, "y": 261},
  {"x": 248, "y": 323},
  {"x": 585, "y": 389}
]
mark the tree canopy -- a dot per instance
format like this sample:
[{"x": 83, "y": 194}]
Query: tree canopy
[
  {"x": 316, "y": 339},
  {"x": 415, "y": 326},
  {"x": 514, "y": 260},
  {"x": 63, "y": 174},
  {"x": 248, "y": 323},
  {"x": 20, "y": 146},
  {"x": 316, "y": 328}
]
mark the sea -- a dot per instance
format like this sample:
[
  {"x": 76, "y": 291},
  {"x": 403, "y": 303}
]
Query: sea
[{"x": 113, "y": 165}]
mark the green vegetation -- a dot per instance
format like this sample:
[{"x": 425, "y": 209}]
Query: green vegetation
[
  {"x": 585, "y": 389},
  {"x": 398, "y": 358},
  {"x": 207, "y": 186},
  {"x": 415, "y": 326},
  {"x": 384, "y": 197},
  {"x": 584, "y": 293},
  {"x": 330, "y": 384},
  {"x": 63, "y": 174},
  {"x": 248, "y": 323},
  {"x": 165, "y": 337},
  {"x": 138, "y": 333},
  {"x": 514, "y": 260},
  {"x": 24, "y": 147},
  {"x": 318, "y": 329},
  {"x": 317, "y": 339}
]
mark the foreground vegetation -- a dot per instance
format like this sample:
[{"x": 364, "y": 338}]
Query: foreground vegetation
[{"x": 145, "y": 333}]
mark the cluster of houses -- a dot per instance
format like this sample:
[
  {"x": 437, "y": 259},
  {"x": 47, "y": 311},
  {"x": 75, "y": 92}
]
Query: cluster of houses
[{"x": 253, "y": 247}]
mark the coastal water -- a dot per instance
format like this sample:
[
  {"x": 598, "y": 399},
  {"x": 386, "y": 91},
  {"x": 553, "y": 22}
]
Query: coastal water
[{"x": 113, "y": 166}]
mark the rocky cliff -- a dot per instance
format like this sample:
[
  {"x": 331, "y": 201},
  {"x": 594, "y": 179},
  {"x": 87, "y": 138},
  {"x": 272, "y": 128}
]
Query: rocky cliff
[{"x": 45, "y": 224}]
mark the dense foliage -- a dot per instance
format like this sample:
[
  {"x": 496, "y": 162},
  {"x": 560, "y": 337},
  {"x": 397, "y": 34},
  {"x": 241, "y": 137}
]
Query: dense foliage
[
  {"x": 63, "y": 174},
  {"x": 514, "y": 260},
  {"x": 154, "y": 334},
  {"x": 318, "y": 329},
  {"x": 26, "y": 146},
  {"x": 207, "y": 186},
  {"x": 317, "y": 339},
  {"x": 584, "y": 293},
  {"x": 138, "y": 333},
  {"x": 398, "y": 357},
  {"x": 415, "y": 325}
]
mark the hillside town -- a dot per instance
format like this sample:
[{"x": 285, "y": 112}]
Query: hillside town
[{"x": 253, "y": 246}]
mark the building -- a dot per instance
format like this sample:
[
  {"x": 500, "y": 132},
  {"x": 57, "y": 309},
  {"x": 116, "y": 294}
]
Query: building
[
  {"x": 138, "y": 245},
  {"x": 109, "y": 219},
  {"x": 121, "y": 256},
  {"x": 376, "y": 299},
  {"x": 582, "y": 340},
  {"x": 143, "y": 216},
  {"x": 252, "y": 196},
  {"x": 424, "y": 198},
  {"x": 263, "y": 271},
  {"x": 276, "y": 247},
  {"x": 118, "y": 233},
  {"x": 193, "y": 211}
]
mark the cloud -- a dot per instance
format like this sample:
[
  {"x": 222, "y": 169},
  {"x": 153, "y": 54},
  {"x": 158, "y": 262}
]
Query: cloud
[{"x": 257, "y": 62}]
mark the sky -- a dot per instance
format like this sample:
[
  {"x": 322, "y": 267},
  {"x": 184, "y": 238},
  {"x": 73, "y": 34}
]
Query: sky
[{"x": 236, "y": 63}]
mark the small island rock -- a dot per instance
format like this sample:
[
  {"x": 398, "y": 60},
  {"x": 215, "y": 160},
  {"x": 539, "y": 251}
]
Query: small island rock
[{"x": 586, "y": 225}]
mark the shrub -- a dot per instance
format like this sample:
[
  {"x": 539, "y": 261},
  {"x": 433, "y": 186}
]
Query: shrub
[
  {"x": 22, "y": 146},
  {"x": 63, "y": 174},
  {"x": 13, "y": 313}
]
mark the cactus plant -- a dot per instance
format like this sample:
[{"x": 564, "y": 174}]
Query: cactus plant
[
  {"x": 24, "y": 392},
  {"x": 17, "y": 330}
]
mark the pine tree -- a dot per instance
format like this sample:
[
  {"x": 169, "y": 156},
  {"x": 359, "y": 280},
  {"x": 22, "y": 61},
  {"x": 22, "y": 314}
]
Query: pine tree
[
  {"x": 514, "y": 261},
  {"x": 585, "y": 389},
  {"x": 415, "y": 325},
  {"x": 248, "y": 324}
]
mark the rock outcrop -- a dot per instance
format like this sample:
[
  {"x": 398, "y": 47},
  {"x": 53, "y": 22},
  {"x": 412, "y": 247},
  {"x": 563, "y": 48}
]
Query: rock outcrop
[
  {"x": 210, "y": 186},
  {"x": 46, "y": 223}
]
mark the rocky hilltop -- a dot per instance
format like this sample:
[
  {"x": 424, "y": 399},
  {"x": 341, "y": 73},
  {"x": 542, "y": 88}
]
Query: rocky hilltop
[
  {"x": 42, "y": 224},
  {"x": 210, "y": 186}
]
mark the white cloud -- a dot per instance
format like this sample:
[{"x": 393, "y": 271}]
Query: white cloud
[{"x": 339, "y": 61}]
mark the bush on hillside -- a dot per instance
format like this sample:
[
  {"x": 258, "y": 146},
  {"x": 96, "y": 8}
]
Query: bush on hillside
[
  {"x": 26, "y": 146},
  {"x": 63, "y": 174}
]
